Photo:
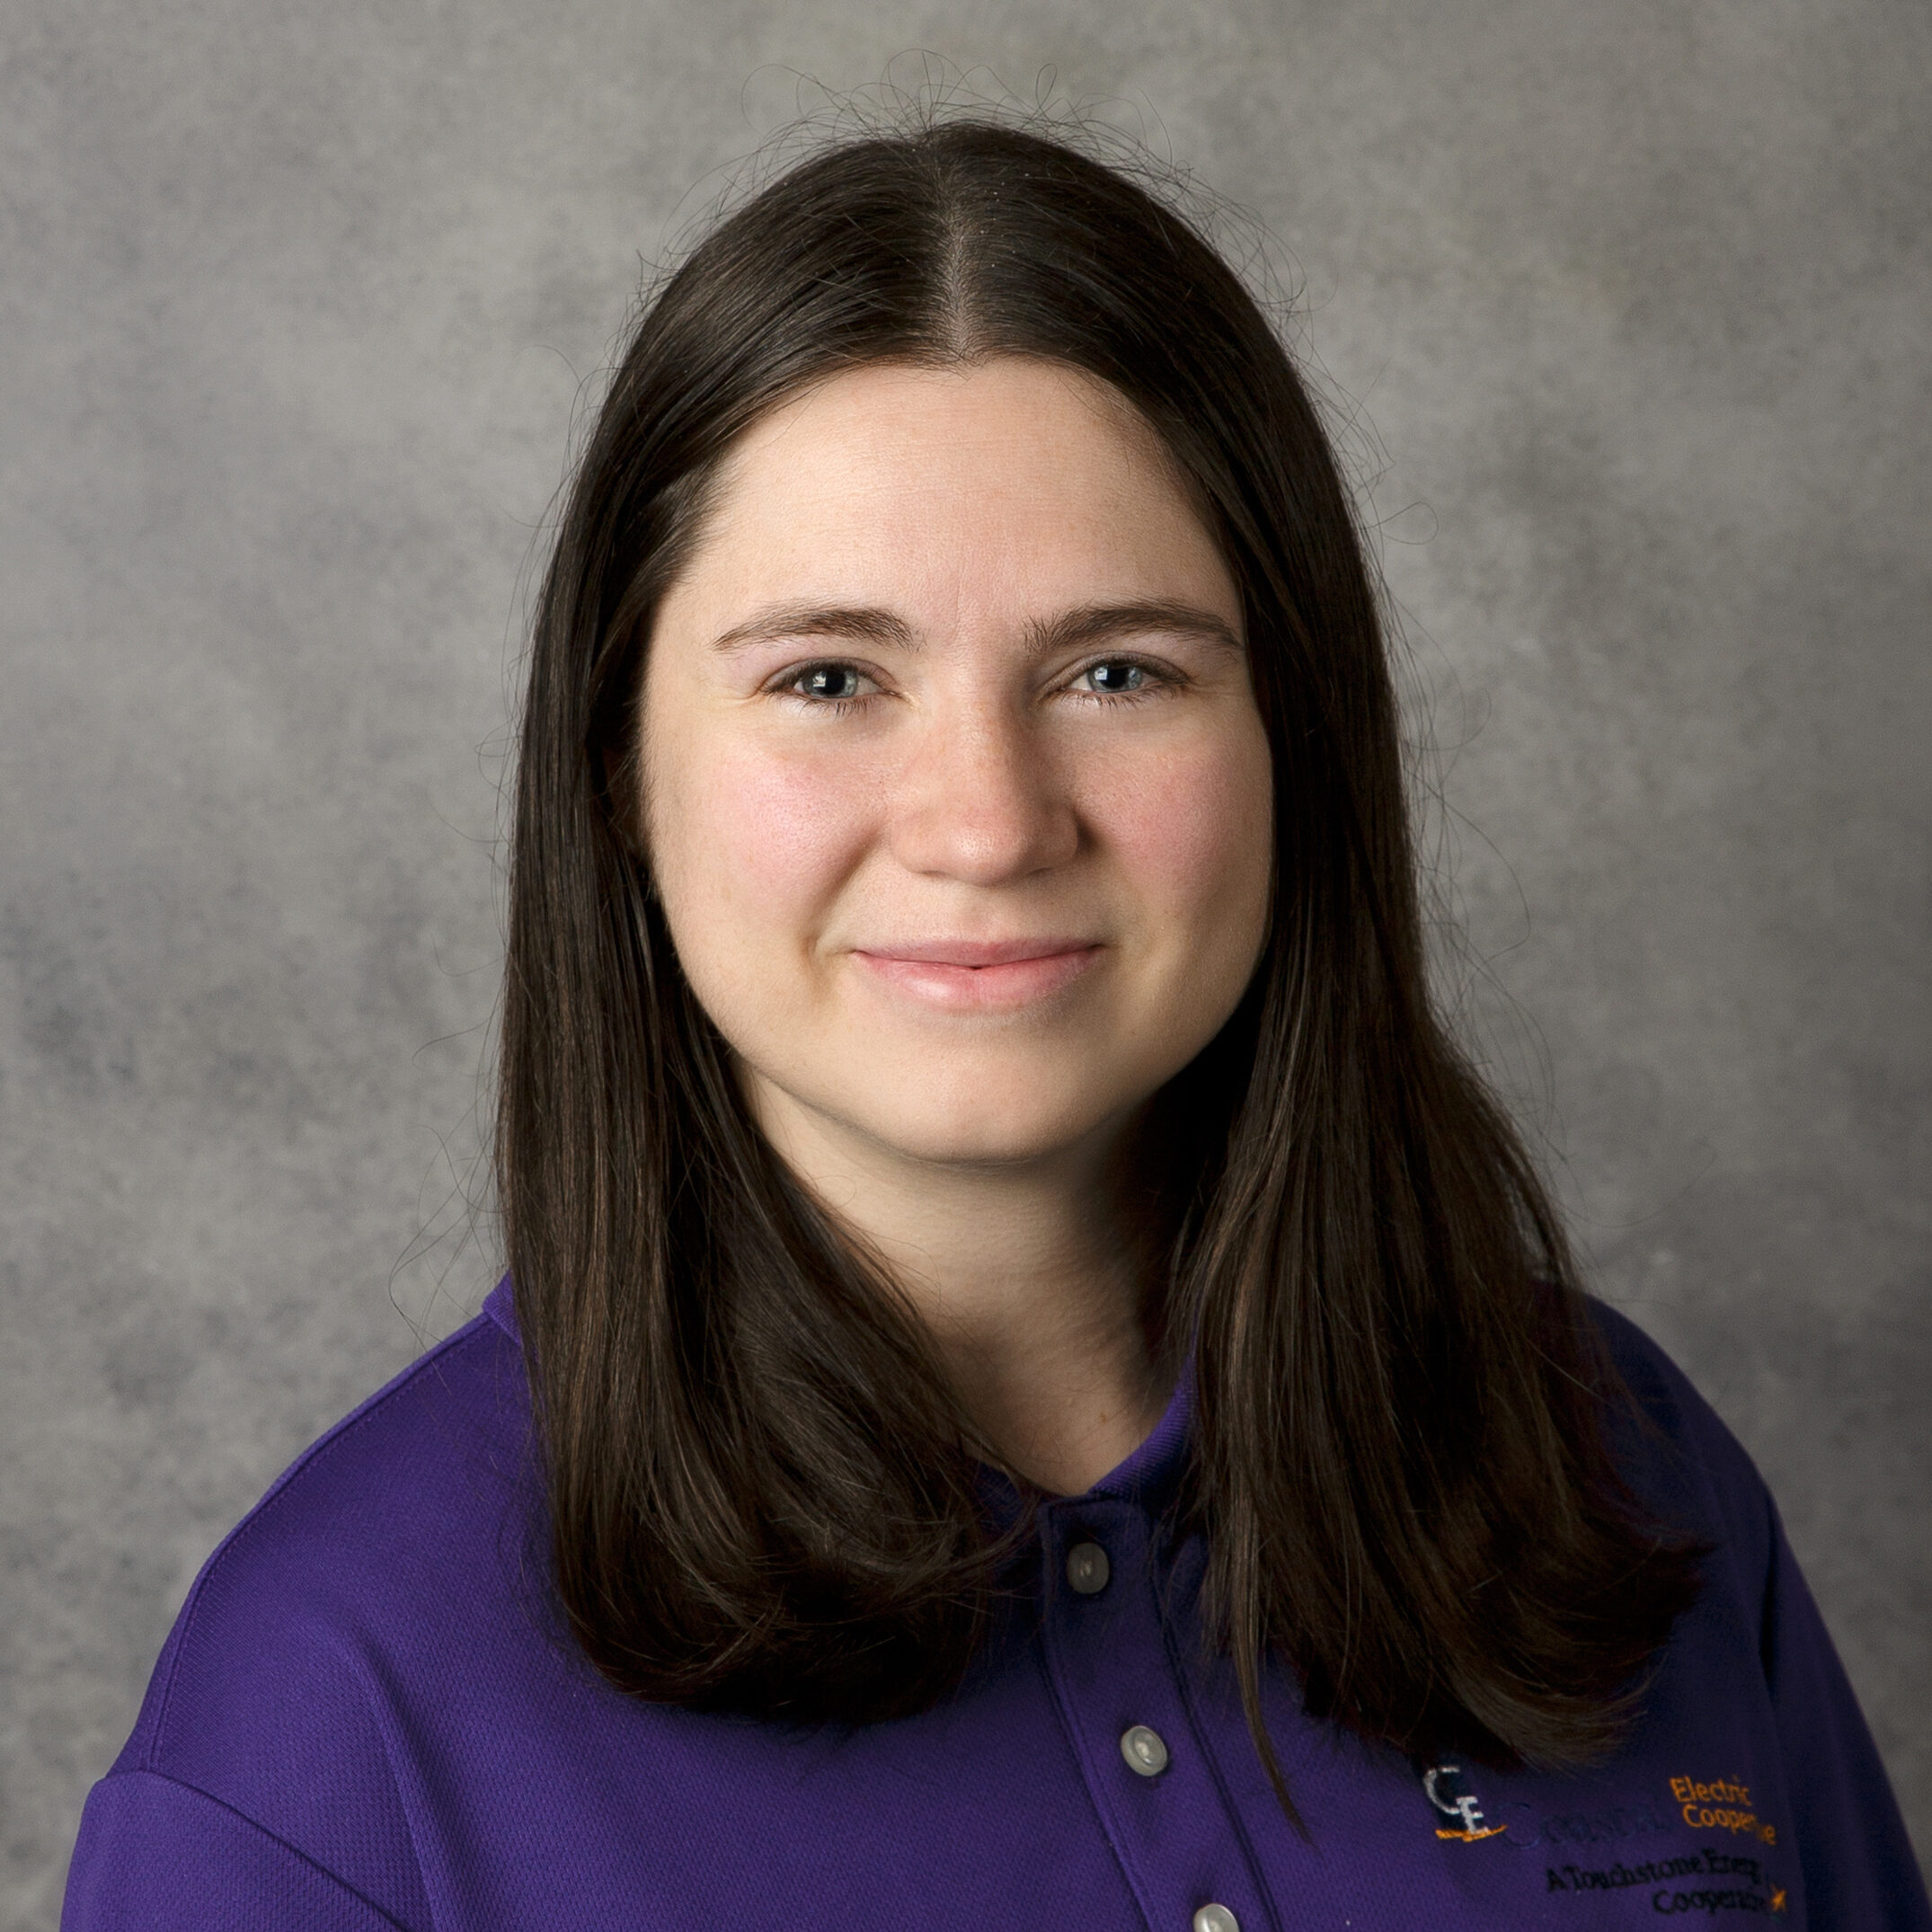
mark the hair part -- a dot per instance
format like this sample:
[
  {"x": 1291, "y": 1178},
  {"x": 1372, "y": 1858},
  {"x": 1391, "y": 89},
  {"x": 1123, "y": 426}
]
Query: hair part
[{"x": 764, "y": 1497}]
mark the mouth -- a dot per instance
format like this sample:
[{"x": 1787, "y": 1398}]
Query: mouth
[{"x": 966, "y": 975}]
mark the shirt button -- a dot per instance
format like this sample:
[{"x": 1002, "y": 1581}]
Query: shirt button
[
  {"x": 1087, "y": 1568},
  {"x": 1144, "y": 1750},
  {"x": 1216, "y": 1919}
]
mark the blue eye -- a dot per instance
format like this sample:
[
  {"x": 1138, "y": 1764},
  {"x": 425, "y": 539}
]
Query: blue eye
[
  {"x": 1111, "y": 679},
  {"x": 831, "y": 681}
]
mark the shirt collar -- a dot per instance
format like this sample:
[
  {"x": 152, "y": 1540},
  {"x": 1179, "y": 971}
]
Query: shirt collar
[
  {"x": 1150, "y": 1475},
  {"x": 500, "y": 1306}
]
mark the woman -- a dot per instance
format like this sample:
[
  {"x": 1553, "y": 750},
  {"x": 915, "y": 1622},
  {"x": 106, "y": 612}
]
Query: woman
[{"x": 1038, "y": 1389}]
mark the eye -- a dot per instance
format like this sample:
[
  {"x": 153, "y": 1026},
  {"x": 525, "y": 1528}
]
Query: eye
[
  {"x": 833, "y": 683},
  {"x": 1113, "y": 678}
]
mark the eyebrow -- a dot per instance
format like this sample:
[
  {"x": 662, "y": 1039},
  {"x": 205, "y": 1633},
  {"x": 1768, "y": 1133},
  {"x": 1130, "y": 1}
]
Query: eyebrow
[
  {"x": 1099, "y": 623},
  {"x": 1087, "y": 624}
]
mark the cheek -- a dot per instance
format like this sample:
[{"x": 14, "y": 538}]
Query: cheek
[
  {"x": 1192, "y": 833},
  {"x": 748, "y": 846}
]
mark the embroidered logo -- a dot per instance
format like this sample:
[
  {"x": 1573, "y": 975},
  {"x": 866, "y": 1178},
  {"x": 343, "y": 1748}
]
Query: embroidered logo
[
  {"x": 1438, "y": 1782},
  {"x": 1745, "y": 1885},
  {"x": 1720, "y": 1804}
]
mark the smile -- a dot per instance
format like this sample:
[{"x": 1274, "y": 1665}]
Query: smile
[{"x": 977, "y": 974}]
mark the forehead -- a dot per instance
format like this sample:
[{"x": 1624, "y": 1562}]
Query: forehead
[{"x": 1008, "y": 478}]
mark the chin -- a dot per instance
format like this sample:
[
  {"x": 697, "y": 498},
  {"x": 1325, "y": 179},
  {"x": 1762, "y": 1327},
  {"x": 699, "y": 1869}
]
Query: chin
[
  {"x": 1004, "y": 1111},
  {"x": 970, "y": 1130}
]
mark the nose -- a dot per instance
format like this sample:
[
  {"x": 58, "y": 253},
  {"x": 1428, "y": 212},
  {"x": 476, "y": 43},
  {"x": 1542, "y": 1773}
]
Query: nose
[{"x": 981, "y": 801}]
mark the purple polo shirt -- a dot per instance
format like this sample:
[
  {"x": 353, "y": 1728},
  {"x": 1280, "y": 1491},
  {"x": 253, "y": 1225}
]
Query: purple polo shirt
[{"x": 366, "y": 1717}]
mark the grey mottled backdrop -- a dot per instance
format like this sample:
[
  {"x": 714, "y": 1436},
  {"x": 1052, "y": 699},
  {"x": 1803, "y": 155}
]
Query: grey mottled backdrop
[{"x": 298, "y": 302}]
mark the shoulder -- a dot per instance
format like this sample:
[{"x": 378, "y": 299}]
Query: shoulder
[
  {"x": 356, "y": 1593},
  {"x": 377, "y": 1518},
  {"x": 1685, "y": 1464},
  {"x": 1757, "y": 1628}
]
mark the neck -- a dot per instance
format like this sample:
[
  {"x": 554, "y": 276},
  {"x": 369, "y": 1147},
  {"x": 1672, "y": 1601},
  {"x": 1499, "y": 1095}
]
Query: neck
[{"x": 1030, "y": 1276}]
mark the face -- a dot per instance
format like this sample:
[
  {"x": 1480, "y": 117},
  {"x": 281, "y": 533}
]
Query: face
[{"x": 956, "y": 794}]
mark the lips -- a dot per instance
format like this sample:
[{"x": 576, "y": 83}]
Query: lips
[{"x": 978, "y": 974}]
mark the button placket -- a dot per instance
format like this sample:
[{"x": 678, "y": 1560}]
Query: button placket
[{"x": 1126, "y": 1713}]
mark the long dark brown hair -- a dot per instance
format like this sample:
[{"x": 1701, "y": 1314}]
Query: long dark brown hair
[{"x": 764, "y": 1497}]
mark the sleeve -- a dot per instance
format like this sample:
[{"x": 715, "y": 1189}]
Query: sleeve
[
  {"x": 1859, "y": 1866},
  {"x": 157, "y": 1856}
]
